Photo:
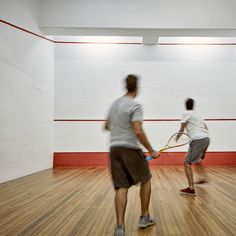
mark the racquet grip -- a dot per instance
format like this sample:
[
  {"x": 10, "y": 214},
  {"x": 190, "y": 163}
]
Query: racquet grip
[{"x": 149, "y": 158}]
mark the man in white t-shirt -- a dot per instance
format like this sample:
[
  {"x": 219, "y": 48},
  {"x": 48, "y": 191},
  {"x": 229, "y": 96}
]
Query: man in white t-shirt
[{"x": 198, "y": 132}]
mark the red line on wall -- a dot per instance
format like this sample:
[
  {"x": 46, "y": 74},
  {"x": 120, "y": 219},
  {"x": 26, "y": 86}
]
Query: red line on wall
[
  {"x": 62, "y": 42},
  {"x": 27, "y": 31},
  {"x": 161, "y": 44},
  {"x": 197, "y": 44},
  {"x": 147, "y": 120},
  {"x": 69, "y": 42},
  {"x": 221, "y": 119},
  {"x": 76, "y": 120}
]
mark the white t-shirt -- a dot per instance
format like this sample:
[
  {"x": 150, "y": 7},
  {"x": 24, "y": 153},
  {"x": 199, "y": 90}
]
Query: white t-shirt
[{"x": 195, "y": 125}]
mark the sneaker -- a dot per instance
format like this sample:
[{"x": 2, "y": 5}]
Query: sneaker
[
  {"x": 119, "y": 231},
  {"x": 145, "y": 221},
  {"x": 188, "y": 191}
]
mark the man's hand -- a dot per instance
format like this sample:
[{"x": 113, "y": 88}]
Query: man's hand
[
  {"x": 155, "y": 154},
  {"x": 177, "y": 138}
]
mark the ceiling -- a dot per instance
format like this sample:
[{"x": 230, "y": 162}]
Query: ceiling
[{"x": 150, "y": 20}]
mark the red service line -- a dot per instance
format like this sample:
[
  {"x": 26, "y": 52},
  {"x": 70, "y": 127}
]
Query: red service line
[
  {"x": 146, "y": 120},
  {"x": 74, "y": 120},
  {"x": 221, "y": 119}
]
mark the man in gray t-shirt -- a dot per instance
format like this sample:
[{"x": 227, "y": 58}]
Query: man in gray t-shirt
[
  {"x": 123, "y": 112},
  {"x": 127, "y": 161}
]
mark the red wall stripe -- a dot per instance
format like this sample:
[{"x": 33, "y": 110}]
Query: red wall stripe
[
  {"x": 166, "y": 159},
  {"x": 27, "y": 31},
  {"x": 148, "y": 120},
  {"x": 69, "y": 42},
  {"x": 197, "y": 44}
]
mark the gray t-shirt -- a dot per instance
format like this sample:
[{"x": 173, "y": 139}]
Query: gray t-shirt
[{"x": 123, "y": 112}]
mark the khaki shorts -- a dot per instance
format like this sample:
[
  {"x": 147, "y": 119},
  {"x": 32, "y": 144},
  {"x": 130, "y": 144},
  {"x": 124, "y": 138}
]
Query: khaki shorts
[
  {"x": 196, "y": 151},
  {"x": 128, "y": 167}
]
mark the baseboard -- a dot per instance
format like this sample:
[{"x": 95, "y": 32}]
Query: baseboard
[{"x": 167, "y": 159}]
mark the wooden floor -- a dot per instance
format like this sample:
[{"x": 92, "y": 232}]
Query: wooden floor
[{"x": 80, "y": 202}]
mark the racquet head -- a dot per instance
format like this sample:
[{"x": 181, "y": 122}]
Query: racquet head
[{"x": 177, "y": 140}]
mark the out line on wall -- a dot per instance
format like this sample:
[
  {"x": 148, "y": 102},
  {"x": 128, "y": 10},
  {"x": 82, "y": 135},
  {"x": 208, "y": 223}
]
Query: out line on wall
[{"x": 119, "y": 43}]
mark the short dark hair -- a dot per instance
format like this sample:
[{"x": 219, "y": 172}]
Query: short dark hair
[
  {"x": 131, "y": 83},
  {"x": 189, "y": 103}
]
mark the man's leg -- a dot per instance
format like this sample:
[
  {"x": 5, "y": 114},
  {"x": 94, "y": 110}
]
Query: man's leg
[
  {"x": 188, "y": 170},
  {"x": 120, "y": 205},
  {"x": 202, "y": 176},
  {"x": 189, "y": 174},
  {"x": 145, "y": 194}
]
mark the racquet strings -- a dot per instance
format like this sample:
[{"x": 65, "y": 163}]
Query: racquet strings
[
  {"x": 182, "y": 140},
  {"x": 178, "y": 139}
]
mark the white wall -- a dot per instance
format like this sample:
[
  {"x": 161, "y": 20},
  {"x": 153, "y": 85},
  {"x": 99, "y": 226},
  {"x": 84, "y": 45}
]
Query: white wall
[
  {"x": 23, "y": 13},
  {"x": 138, "y": 14},
  {"x": 26, "y": 94},
  {"x": 89, "y": 77}
]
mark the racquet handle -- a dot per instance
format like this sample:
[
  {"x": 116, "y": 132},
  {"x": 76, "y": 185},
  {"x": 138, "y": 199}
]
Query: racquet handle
[{"x": 149, "y": 158}]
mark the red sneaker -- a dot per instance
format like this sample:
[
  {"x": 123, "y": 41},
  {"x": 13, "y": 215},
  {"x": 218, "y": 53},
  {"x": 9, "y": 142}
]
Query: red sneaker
[{"x": 188, "y": 191}]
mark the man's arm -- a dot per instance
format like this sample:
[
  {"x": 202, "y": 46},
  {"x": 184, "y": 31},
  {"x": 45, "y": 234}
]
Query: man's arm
[
  {"x": 141, "y": 136},
  {"x": 182, "y": 127},
  {"x": 205, "y": 126},
  {"x": 181, "y": 130}
]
